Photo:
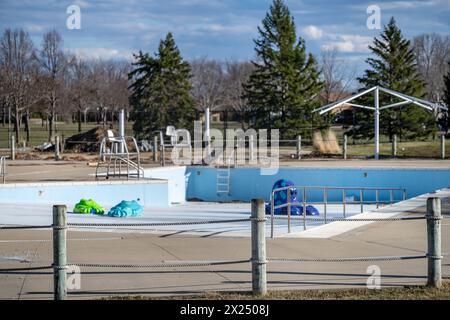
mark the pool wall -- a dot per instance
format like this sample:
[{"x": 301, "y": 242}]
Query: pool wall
[
  {"x": 177, "y": 179},
  {"x": 247, "y": 183},
  {"x": 150, "y": 193}
]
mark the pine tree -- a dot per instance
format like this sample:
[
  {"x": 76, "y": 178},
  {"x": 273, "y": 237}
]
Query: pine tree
[
  {"x": 161, "y": 90},
  {"x": 286, "y": 79},
  {"x": 394, "y": 67}
]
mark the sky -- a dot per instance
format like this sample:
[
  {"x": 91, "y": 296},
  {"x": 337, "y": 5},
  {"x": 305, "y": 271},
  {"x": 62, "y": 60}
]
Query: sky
[{"x": 217, "y": 29}]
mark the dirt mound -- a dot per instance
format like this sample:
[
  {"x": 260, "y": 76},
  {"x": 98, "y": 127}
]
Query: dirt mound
[{"x": 88, "y": 141}]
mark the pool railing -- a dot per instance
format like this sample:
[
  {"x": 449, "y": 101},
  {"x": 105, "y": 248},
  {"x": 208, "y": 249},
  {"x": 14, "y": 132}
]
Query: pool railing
[{"x": 325, "y": 191}]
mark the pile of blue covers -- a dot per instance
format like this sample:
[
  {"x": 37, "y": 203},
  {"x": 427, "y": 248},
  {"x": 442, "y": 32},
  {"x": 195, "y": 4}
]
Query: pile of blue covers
[{"x": 280, "y": 198}]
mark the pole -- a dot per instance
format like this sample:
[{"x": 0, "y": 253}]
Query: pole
[
  {"x": 299, "y": 147},
  {"x": 207, "y": 131},
  {"x": 252, "y": 149},
  {"x": 63, "y": 144},
  {"x": 155, "y": 148},
  {"x": 59, "y": 252},
  {"x": 394, "y": 146},
  {"x": 443, "y": 147},
  {"x": 122, "y": 130},
  {"x": 272, "y": 213},
  {"x": 163, "y": 151},
  {"x": 13, "y": 147},
  {"x": 377, "y": 123},
  {"x": 289, "y": 209},
  {"x": 9, "y": 127},
  {"x": 56, "y": 148},
  {"x": 434, "y": 242},
  {"x": 345, "y": 146},
  {"x": 259, "y": 263}
]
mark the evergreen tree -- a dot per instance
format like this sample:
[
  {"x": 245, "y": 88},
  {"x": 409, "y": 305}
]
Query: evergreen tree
[
  {"x": 285, "y": 81},
  {"x": 161, "y": 90},
  {"x": 394, "y": 67},
  {"x": 445, "y": 120}
]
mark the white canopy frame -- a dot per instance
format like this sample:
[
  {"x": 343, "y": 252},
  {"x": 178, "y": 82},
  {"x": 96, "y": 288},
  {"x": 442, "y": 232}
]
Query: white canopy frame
[{"x": 430, "y": 106}]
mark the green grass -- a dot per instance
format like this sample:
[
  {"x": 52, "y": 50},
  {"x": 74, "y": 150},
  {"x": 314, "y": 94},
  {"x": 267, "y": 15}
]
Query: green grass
[
  {"x": 419, "y": 149},
  {"x": 397, "y": 293},
  {"x": 39, "y": 135}
]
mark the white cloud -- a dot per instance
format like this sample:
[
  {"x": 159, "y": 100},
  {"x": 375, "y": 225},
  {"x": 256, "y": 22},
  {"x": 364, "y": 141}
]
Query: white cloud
[
  {"x": 34, "y": 28},
  {"x": 101, "y": 53},
  {"x": 313, "y": 32},
  {"x": 347, "y": 43}
]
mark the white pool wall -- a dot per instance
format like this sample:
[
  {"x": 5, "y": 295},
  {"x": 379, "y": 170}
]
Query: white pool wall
[{"x": 150, "y": 193}]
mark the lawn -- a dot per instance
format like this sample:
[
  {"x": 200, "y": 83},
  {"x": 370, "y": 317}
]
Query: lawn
[
  {"x": 39, "y": 134},
  {"x": 419, "y": 149},
  {"x": 397, "y": 293}
]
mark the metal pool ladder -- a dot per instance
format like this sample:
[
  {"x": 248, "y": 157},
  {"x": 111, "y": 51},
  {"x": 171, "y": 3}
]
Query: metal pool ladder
[
  {"x": 223, "y": 177},
  {"x": 223, "y": 180},
  {"x": 117, "y": 160}
]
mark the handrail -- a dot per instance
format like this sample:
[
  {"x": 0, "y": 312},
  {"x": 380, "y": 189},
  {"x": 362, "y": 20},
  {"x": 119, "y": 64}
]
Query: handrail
[
  {"x": 325, "y": 201},
  {"x": 123, "y": 156}
]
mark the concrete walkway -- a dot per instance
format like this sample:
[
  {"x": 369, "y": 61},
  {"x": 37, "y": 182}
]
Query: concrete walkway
[
  {"x": 48, "y": 170},
  {"x": 25, "y": 252}
]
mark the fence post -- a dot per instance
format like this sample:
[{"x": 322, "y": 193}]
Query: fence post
[
  {"x": 251, "y": 144},
  {"x": 56, "y": 148},
  {"x": 155, "y": 148},
  {"x": 394, "y": 146},
  {"x": 13, "y": 147},
  {"x": 63, "y": 144},
  {"x": 299, "y": 147},
  {"x": 163, "y": 154},
  {"x": 259, "y": 263},
  {"x": 345, "y": 147},
  {"x": 434, "y": 242},
  {"x": 59, "y": 251},
  {"x": 443, "y": 147}
]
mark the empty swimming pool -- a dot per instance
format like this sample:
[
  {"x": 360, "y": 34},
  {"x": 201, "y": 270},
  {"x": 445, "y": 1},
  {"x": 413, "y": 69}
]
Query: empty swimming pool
[{"x": 165, "y": 191}]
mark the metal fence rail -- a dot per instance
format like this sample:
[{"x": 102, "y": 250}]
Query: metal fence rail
[{"x": 325, "y": 191}]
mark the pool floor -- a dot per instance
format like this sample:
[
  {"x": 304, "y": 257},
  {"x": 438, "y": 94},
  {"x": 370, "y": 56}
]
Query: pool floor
[{"x": 25, "y": 214}]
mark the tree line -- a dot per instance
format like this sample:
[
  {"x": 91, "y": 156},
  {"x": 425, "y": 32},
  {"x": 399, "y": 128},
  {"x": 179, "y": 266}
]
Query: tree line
[
  {"x": 54, "y": 84},
  {"x": 278, "y": 89},
  {"x": 281, "y": 87}
]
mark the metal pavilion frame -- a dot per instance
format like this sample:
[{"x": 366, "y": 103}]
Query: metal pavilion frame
[{"x": 430, "y": 106}]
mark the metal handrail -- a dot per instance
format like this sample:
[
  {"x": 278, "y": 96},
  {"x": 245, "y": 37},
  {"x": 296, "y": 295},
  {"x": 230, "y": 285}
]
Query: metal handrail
[
  {"x": 115, "y": 156},
  {"x": 325, "y": 202}
]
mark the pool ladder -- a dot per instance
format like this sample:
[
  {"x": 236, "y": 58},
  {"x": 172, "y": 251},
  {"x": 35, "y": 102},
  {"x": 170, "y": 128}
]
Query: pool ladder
[
  {"x": 223, "y": 180},
  {"x": 117, "y": 161}
]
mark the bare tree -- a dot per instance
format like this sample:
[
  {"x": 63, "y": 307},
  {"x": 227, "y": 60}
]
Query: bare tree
[
  {"x": 237, "y": 74},
  {"x": 432, "y": 53},
  {"x": 53, "y": 63},
  {"x": 338, "y": 76},
  {"x": 207, "y": 83},
  {"x": 111, "y": 87},
  {"x": 81, "y": 87},
  {"x": 16, "y": 60}
]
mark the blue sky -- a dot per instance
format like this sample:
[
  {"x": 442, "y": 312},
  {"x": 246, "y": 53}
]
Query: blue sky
[{"x": 222, "y": 29}]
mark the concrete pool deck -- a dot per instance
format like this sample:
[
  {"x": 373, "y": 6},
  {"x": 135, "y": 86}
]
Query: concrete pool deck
[
  {"x": 27, "y": 279},
  {"x": 48, "y": 170}
]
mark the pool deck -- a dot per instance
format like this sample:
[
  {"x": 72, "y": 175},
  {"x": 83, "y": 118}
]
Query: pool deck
[
  {"x": 48, "y": 170},
  {"x": 25, "y": 253}
]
